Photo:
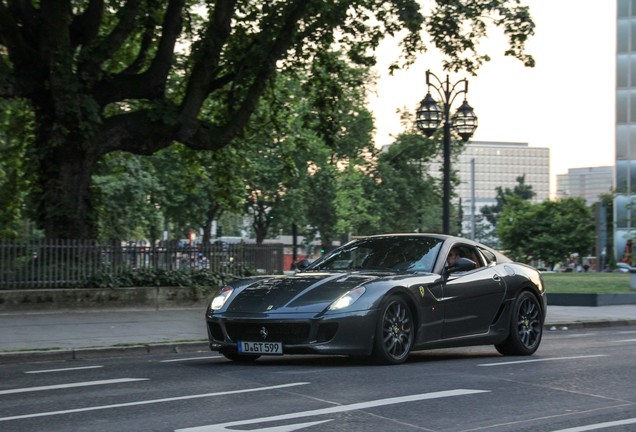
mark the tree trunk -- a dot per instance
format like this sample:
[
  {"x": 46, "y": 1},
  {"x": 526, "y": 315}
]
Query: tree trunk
[{"x": 65, "y": 209}]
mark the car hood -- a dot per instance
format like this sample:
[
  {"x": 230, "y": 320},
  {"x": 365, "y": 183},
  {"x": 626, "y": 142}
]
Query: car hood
[{"x": 306, "y": 292}]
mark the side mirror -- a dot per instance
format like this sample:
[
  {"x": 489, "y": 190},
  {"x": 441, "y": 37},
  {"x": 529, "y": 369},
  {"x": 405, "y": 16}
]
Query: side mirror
[
  {"x": 461, "y": 265},
  {"x": 301, "y": 265}
]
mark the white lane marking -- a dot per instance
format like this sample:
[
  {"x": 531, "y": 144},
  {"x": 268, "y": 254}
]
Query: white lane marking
[
  {"x": 148, "y": 402},
  {"x": 625, "y": 340},
  {"x": 71, "y": 385},
  {"x": 627, "y": 332},
  {"x": 62, "y": 370},
  {"x": 331, "y": 410},
  {"x": 541, "y": 360},
  {"x": 191, "y": 358},
  {"x": 598, "y": 426},
  {"x": 285, "y": 428}
]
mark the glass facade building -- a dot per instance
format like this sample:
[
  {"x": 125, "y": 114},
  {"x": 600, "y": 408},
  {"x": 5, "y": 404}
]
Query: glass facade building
[
  {"x": 587, "y": 183},
  {"x": 625, "y": 202}
]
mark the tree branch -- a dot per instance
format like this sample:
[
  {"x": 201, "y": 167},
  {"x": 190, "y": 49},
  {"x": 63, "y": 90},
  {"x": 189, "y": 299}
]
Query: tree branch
[
  {"x": 208, "y": 54},
  {"x": 144, "y": 47},
  {"x": 215, "y": 137},
  {"x": 136, "y": 132},
  {"x": 85, "y": 27},
  {"x": 151, "y": 83},
  {"x": 11, "y": 36},
  {"x": 126, "y": 18},
  {"x": 266, "y": 70}
]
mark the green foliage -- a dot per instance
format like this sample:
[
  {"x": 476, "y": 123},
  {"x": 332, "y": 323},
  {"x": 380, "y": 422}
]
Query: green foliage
[
  {"x": 521, "y": 190},
  {"x": 138, "y": 76},
  {"x": 17, "y": 175},
  {"x": 186, "y": 278},
  {"x": 273, "y": 168},
  {"x": 550, "y": 231},
  {"x": 125, "y": 185},
  {"x": 408, "y": 198},
  {"x": 355, "y": 207},
  {"x": 198, "y": 186}
]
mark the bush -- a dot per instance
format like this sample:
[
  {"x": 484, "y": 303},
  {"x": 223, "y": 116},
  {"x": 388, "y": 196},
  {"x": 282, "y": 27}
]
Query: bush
[{"x": 188, "y": 278}]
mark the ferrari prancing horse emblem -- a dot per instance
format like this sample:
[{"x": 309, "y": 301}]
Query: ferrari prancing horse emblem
[{"x": 422, "y": 291}]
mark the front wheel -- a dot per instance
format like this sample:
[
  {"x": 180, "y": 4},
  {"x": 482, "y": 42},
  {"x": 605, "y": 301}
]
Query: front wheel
[
  {"x": 526, "y": 327},
  {"x": 395, "y": 332}
]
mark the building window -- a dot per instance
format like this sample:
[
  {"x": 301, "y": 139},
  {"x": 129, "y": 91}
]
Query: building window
[
  {"x": 621, "y": 107},
  {"x": 622, "y": 42},
  {"x": 622, "y": 72}
]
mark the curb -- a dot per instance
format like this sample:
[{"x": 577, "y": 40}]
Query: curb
[
  {"x": 589, "y": 324},
  {"x": 184, "y": 347},
  {"x": 102, "y": 352}
]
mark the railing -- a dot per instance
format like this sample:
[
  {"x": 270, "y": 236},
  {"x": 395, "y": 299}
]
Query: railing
[{"x": 67, "y": 263}]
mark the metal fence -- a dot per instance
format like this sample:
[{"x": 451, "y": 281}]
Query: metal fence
[{"x": 67, "y": 263}]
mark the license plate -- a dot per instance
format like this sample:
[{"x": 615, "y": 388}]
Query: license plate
[{"x": 263, "y": 348}]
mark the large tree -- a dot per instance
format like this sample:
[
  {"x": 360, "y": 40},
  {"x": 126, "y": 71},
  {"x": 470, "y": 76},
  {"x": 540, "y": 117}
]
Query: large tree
[
  {"x": 138, "y": 75},
  {"x": 550, "y": 231}
]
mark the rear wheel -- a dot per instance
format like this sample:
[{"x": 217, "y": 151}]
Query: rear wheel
[
  {"x": 395, "y": 332},
  {"x": 526, "y": 327}
]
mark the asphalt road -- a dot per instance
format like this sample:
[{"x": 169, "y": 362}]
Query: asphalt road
[{"x": 579, "y": 380}]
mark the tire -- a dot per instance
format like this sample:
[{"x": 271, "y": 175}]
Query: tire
[
  {"x": 395, "y": 332},
  {"x": 526, "y": 327}
]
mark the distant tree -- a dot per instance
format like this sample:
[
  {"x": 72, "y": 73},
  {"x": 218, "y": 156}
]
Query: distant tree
[
  {"x": 198, "y": 187},
  {"x": 521, "y": 190},
  {"x": 124, "y": 186},
  {"x": 102, "y": 75},
  {"x": 407, "y": 196},
  {"x": 336, "y": 93},
  {"x": 549, "y": 231},
  {"x": 17, "y": 164},
  {"x": 354, "y": 206}
]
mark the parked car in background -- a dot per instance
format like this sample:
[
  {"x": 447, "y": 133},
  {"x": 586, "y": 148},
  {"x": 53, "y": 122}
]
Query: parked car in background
[
  {"x": 383, "y": 297},
  {"x": 624, "y": 267}
]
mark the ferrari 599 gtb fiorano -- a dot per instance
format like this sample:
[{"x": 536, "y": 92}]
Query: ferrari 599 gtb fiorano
[{"x": 384, "y": 297}]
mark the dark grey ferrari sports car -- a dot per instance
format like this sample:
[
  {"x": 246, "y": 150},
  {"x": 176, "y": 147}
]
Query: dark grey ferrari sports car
[{"x": 383, "y": 297}]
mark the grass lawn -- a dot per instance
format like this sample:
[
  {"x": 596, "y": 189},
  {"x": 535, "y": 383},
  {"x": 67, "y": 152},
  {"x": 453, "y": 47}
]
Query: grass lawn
[{"x": 587, "y": 283}]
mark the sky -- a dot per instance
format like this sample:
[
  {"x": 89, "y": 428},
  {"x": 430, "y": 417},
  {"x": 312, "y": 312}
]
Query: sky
[{"x": 566, "y": 102}]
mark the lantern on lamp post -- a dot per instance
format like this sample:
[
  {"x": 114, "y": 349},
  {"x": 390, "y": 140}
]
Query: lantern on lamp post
[{"x": 430, "y": 115}]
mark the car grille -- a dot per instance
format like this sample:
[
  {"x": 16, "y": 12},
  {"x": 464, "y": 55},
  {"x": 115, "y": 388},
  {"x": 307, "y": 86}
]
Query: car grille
[{"x": 290, "y": 333}]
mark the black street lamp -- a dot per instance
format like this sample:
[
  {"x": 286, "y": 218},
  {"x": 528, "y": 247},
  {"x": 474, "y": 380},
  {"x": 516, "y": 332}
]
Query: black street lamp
[{"x": 429, "y": 116}]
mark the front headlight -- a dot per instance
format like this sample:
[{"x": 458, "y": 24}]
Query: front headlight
[
  {"x": 348, "y": 298},
  {"x": 221, "y": 297}
]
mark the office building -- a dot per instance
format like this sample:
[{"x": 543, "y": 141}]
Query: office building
[
  {"x": 625, "y": 201},
  {"x": 587, "y": 183},
  {"x": 498, "y": 164}
]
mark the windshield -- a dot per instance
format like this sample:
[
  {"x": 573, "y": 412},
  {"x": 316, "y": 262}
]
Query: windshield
[{"x": 383, "y": 253}]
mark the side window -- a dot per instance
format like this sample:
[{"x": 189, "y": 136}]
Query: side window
[
  {"x": 472, "y": 254},
  {"x": 465, "y": 251},
  {"x": 488, "y": 256}
]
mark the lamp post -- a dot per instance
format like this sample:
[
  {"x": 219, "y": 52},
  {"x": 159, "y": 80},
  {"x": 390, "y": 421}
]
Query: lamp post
[{"x": 430, "y": 115}]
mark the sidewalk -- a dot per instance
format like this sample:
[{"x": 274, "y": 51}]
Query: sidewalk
[{"x": 69, "y": 335}]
